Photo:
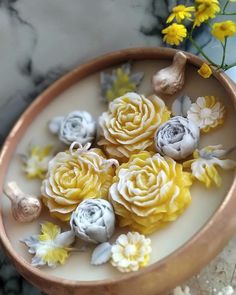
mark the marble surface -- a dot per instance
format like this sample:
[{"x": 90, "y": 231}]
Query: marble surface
[{"x": 43, "y": 39}]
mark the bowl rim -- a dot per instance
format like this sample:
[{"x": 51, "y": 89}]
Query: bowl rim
[{"x": 181, "y": 263}]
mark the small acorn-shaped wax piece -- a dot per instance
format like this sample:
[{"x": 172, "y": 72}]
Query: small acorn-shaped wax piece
[
  {"x": 25, "y": 207},
  {"x": 171, "y": 79}
]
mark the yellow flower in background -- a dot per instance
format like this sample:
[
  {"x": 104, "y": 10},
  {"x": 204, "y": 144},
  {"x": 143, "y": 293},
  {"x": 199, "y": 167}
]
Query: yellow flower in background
[
  {"x": 180, "y": 12},
  {"x": 51, "y": 246},
  {"x": 205, "y": 162},
  {"x": 205, "y": 71},
  {"x": 223, "y": 29},
  {"x": 174, "y": 34},
  {"x": 76, "y": 175},
  {"x": 205, "y": 9},
  {"x": 149, "y": 191},
  {"x": 207, "y": 112},
  {"x": 130, "y": 252},
  {"x": 36, "y": 161}
]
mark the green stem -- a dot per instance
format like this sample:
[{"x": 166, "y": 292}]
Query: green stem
[
  {"x": 229, "y": 66},
  {"x": 224, "y": 52},
  {"x": 202, "y": 52},
  {"x": 191, "y": 32},
  {"x": 225, "y": 6},
  {"x": 208, "y": 24},
  {"x": 227, "y": 13}
]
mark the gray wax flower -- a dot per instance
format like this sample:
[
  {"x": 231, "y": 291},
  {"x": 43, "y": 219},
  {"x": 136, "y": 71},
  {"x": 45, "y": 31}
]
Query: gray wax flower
[
  {"x": 177, "y": 138},
  {"x": 93, "y": 220},
  {"x": 77, "y": 126}
]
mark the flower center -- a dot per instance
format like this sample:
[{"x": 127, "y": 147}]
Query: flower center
[
  {"x": 130, "y": 250},
  {"x": 205, "y": 113},
  {"x": 173, "y": 32},
  {"x": 224, "y": 27}
]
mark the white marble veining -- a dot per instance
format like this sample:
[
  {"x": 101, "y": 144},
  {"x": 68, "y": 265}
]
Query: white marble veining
[
  {"x": 44, "y": 34},
  {"x": 42, "y": 39}
]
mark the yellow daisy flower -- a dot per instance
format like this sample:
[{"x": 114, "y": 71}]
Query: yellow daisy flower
[
  {"x": 180, "y": 12},
  {"x": 205, "y": 9},
  {"x": 205, "y": 71},
  {"x": 174, "y": 34},
  {"x": 223, "y": 29}
]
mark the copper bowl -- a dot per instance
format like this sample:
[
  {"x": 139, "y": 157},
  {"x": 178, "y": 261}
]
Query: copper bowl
[{"x": 158, "y": 277}]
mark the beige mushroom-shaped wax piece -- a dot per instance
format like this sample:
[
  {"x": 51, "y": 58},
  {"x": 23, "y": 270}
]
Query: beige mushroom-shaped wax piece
[
  {"x": 171, "y": 79},
  {"x": 25, "y": 207}
]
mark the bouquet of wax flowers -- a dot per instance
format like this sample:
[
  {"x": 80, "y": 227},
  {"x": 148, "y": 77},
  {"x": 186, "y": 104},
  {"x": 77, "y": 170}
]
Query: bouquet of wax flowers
[{"x": 132, "y": 168}]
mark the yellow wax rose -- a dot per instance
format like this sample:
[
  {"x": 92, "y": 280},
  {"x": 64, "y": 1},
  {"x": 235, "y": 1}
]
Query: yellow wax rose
[
  {"x": 76, "y": 175},
  {"x": 130, "y": 124},
  {"x": 149, "y": 191}
]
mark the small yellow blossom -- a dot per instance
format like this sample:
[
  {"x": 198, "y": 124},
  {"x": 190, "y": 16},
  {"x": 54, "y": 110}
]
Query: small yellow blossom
[
  {"x": 174, "y": 34},
  {"x": 205, "y": 71},
  {"x": 36, "y": 161},
  {"x": 130, "y": 252},
  {"x": 121, "y": 86},
  {"x": 180, "y": 12},
  {"x": 205, "y": 10},
  {"x": 223, "y": 29},
  {"x": 119, "y": 82},
  {"x": 205, "y": 162},
  {"x": 51, "y": 246}
]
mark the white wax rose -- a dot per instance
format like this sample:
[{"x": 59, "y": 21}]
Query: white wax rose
[
  {"x": 77, "y": 126},
  {"x": 93, "y": 220},
  {"x": 177, "y": 138}
]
